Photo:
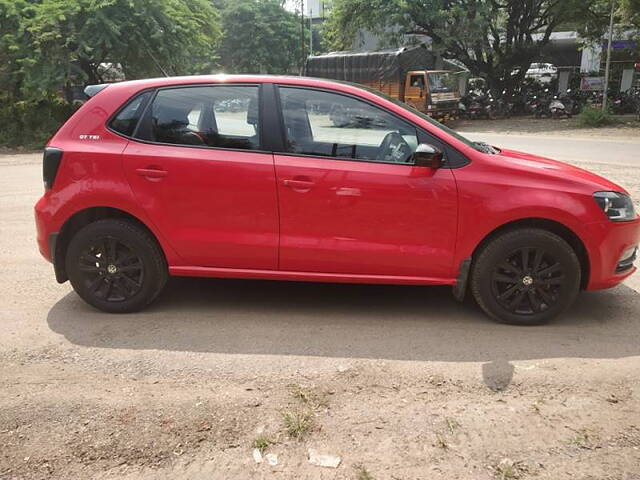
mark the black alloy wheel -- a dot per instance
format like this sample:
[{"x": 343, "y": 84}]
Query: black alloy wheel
[
  {"x": 116, "y": 265},
  {"x": 525, "y": 276},
  {"x": 528, "y": 281},
  {"x": 112, "y": 271}
]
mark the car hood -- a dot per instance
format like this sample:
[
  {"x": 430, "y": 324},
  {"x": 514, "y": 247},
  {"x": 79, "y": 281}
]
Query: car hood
[{"x": 527, "y": 163}]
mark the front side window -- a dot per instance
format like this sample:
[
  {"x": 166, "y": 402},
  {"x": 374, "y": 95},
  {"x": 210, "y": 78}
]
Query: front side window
[
  {"x": 328, "y": 124},
  {"x": 218, "y": 116},
  {"x": 478, "y": 146}
]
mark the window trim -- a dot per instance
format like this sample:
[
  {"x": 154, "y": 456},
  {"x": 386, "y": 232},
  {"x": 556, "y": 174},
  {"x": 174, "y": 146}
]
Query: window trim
[
  {"x": 144, "y": 117},
  {"x": 274, "y": 137},
  {"x": 419, "y": 130}
]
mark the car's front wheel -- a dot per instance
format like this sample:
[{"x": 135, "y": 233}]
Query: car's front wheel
[
  {"x": 116, "y": 266},
  {"x": 526, "y": 276}
]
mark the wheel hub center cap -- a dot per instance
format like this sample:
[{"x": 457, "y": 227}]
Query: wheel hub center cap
[
  {"x": 112, "y": 269},
  {"x": 527, "y": 280}
]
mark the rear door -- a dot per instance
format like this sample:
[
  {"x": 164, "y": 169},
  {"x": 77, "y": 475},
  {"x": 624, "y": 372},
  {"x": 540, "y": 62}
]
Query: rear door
[{"x": 197, "y": 167}]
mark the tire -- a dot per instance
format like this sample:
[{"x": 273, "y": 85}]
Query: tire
[
  {"x": 133, "y": 275},
  {"x": 547, "y": 285}
]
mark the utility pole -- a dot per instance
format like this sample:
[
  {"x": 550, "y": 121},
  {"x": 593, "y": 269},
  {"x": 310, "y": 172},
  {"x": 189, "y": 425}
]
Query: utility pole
[
  {"x": 310, "y": 32},
  {"x": 302, "y": 36},
  {"x": 608, "y": 66}
]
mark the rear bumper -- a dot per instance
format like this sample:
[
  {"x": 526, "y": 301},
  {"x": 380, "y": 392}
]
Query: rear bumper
[
  {"x": 47, "y": 238},
  {"x": 43, "y": 229},
  {"x": 610, "y": 242}
]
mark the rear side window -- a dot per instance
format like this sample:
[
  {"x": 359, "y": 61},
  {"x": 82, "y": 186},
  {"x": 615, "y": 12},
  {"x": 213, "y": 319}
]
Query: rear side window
[
  {"x": 219, "y": 116},
  {"x": 126, "y": 120}
]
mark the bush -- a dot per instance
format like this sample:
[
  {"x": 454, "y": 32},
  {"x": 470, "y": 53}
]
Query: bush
[
  {"x": 595, "y": 117},
  {"x": 29, "y": 124}
]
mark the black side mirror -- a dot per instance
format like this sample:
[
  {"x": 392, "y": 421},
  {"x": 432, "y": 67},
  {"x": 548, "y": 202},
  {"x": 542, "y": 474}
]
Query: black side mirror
[{"x": 427, "y": 156}]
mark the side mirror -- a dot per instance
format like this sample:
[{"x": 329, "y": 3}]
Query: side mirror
[{"x": 427, "y": 156}]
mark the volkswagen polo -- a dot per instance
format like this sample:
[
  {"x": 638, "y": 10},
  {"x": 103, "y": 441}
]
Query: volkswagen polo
[{"x": 251, "y": 177}]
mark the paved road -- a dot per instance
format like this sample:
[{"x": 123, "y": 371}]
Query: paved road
[
  {"x": 584, "y": 150},
  {"x": 73, "y": 380}
]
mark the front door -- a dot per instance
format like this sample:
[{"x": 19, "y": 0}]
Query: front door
[
  {"x": 350, "y": 199},
  {"x": 202, "y": 179}
]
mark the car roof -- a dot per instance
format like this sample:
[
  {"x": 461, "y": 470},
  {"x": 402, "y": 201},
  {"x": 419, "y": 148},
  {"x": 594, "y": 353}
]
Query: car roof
[{"x": 225, "y": 78}]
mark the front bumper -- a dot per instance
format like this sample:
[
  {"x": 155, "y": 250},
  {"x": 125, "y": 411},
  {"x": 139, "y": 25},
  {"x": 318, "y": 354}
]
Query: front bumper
[{"x": 610, "y": 251}]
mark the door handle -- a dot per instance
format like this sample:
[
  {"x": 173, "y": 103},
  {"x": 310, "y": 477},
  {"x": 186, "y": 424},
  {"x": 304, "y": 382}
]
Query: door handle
[
  {"x": 298, "y": 184},
  {"x": 151, "y": 172}
]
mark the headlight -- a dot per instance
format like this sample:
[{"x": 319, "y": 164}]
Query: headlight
[{"x": 617, "y": 206}]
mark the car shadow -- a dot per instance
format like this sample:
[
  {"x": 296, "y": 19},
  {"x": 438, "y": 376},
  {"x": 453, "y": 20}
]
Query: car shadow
[{"x": 356, "y": 321}]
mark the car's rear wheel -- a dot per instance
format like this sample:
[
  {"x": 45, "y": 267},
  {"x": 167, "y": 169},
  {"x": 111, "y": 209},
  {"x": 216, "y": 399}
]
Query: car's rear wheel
[
  {"x": 526, "y": 276},
  {"x": 116, "y": 266}
]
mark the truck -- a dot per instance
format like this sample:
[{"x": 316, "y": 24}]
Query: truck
[{"x": 413, "y": 75}]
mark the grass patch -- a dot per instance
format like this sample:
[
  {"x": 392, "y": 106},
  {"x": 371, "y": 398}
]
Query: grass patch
[
  {"x": 452, "y": 424},
  {"x": 309, "y": 397},
  {"x": 509, "y": 470},
  {"x": 583, "y": 438},
  {"x": 298, "y": 422},
  {"x": 262, "y": 442},
  {"x": 595, "y": 117},
  {"x": 441, "y": 442},
  {"x": 535, "y": 406},
  {"x": 362, "y": 473}
]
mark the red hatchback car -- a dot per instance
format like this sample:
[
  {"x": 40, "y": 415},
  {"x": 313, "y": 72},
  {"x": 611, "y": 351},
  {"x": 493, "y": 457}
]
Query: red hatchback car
[{"x": 304, "y": 179}]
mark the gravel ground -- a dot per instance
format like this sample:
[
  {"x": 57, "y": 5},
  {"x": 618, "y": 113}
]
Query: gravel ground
[{"x": 399, "y": 382}]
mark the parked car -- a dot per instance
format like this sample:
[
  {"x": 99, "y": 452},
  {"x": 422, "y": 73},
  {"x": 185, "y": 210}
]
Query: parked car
[
  {"x": 542, "y": 72},
  {"x": 149, "y": 179}
]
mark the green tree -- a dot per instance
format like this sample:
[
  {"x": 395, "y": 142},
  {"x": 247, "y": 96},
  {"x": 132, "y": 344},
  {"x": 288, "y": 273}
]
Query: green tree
[
  {"x": 259, "y": 36},
  {"x": 52, "y": 43},
  {"x": 13, "y": 45},
  {"x": 495, "y": 39},
  {"x": 632, "y": 7}
]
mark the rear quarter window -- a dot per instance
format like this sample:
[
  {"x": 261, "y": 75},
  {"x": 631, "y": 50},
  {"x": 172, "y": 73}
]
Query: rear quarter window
[{"x": 127, "y": 119}]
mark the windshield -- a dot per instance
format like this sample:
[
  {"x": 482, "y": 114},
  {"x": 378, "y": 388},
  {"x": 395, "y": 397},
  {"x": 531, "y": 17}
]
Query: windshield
[
  {"x": 442, "y": 82},
  {"x": 479, "y": 146}
]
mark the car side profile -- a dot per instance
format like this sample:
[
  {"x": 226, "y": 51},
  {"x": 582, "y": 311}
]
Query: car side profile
[{"x": 252, "y": 177}]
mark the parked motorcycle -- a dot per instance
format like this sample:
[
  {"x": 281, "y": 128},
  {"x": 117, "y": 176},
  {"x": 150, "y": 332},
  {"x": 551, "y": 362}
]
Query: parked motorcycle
[
  {"x": 477, "y": 105},
  {"x": 557, "y": 109},
  {"x": 571, "y": 101},
  {"x": 501, "y": 107},
  {"x": 538, "y": 105}
]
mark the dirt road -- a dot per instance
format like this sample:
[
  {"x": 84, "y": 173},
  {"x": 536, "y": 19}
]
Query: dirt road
[{"x": 399, "y": 382}]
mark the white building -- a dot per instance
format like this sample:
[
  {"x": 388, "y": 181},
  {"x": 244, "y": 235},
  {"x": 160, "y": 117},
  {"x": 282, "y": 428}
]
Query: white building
[{"x": 317, "y": 9}]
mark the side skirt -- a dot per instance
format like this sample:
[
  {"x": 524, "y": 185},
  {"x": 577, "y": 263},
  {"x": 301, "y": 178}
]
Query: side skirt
[{"x": 216, "y": 272}]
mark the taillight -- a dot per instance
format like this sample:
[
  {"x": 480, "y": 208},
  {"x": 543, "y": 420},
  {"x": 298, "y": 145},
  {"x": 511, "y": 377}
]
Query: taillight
[{"x": 50, "y": 164}]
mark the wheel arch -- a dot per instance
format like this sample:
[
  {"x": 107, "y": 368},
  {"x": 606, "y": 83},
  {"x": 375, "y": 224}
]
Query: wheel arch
[
  {"x": 82, "y": 218},
  {"x": 552, "y": 226}
]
